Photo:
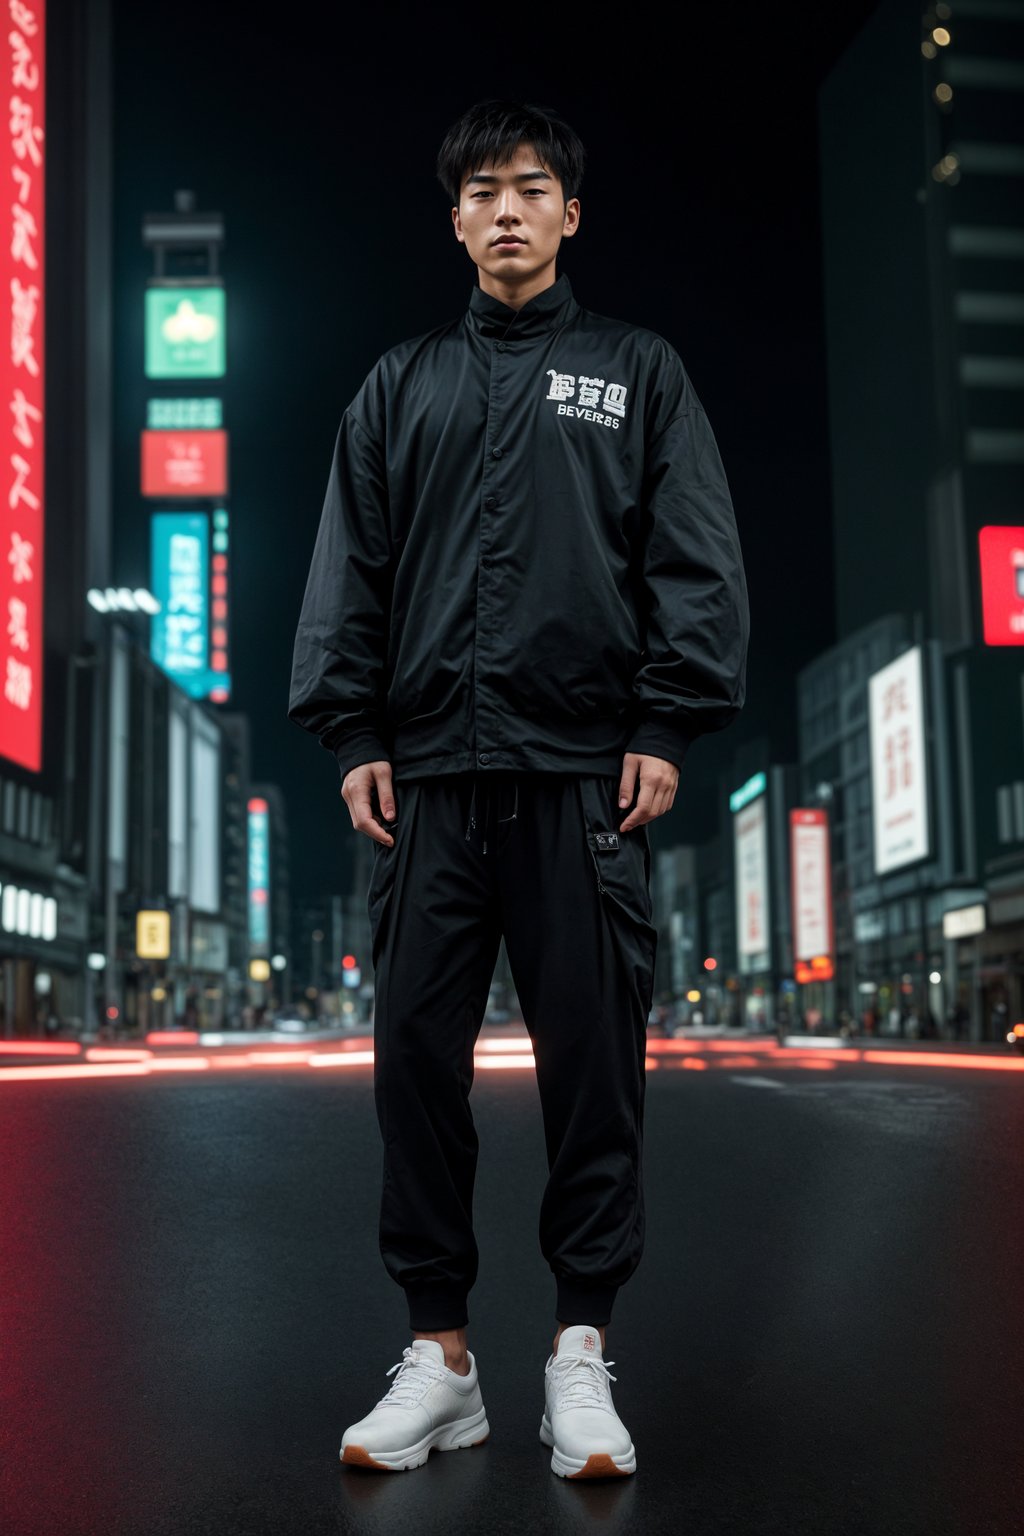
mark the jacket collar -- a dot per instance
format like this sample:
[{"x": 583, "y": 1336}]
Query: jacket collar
[{"x": 546, "y": 311}]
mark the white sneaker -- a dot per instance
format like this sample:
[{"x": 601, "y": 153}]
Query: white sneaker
[
  {"x": 587, "y": 1437},
  {"x": 427, "y": 1405}
]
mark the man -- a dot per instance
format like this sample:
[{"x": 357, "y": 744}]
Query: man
[{"x": 526, "y": 600}]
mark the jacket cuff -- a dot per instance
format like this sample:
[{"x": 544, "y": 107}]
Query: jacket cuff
[
  {"x": 661, "y": 740},
  {"x": 366, "y": 747}
]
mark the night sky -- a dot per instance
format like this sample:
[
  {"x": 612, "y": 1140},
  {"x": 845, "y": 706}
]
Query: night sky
[{"x": 316, "y": 138}]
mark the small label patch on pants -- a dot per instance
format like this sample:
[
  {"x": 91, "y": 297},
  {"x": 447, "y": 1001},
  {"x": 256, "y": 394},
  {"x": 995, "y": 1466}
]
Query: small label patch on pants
[{"x": 606, "y": 840}]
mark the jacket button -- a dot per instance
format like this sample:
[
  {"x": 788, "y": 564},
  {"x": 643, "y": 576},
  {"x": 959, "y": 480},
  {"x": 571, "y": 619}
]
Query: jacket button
[
  {"x": 485, "y": 757},
  {"x": 496, "y": 453},
  {"x": 501, "y": 347},
  {"x": 490, "y": 501}
]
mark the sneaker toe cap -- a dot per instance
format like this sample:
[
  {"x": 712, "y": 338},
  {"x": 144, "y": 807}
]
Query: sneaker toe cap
[
  {"x": 586, "y": 1432},
  {"x": 385, "y": 1432}
]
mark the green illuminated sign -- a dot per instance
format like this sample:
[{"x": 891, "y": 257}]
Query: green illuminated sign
[
  {"x": 184, "y": 333},
  {"x": 182, "y": 415},
  {"x": 755, "y": 785}
]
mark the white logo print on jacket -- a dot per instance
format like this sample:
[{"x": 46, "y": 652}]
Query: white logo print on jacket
[{"x": 566, "y": 387}]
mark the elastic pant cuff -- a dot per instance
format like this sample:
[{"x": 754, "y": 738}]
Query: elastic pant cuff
[
  {"x": 435, "y": 1308},
  {"x": 580, "y": 1303}
]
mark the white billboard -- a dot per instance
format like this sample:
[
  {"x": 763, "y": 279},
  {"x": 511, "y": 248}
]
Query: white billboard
[
  {"x": 810, "y": 869},
  {"x": 899, "y": 799},
  {"x": 750, "y": 840}
]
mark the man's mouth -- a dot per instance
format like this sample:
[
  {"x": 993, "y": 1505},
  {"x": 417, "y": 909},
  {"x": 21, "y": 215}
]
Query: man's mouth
[{"x": 508, "y": 240}]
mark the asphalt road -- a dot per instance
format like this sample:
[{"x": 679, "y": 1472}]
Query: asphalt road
[{"x": 824, "y": 1336}]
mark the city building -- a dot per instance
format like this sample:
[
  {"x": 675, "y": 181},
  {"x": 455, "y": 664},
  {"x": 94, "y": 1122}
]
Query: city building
[{"x": 922, "y": 153}]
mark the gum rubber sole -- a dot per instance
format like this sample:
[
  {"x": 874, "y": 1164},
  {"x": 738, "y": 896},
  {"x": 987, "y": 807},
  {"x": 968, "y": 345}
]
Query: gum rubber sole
[{"x": 600, "y": 1465}]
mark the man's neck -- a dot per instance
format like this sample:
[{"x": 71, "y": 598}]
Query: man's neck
[{"x": 515, "y": 295}]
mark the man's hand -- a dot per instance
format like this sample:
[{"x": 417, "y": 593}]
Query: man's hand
[
  {"x": 358, "y": 788},
  {"x": 658, "y": 783}
]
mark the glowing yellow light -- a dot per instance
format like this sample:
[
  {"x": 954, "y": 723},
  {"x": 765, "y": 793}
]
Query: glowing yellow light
[
  {"x": 943, "y": 92},
  {"x": 928, "y": 49},
  {"x": 949, "y": 163},
  {"x": 940, "y": 36}
]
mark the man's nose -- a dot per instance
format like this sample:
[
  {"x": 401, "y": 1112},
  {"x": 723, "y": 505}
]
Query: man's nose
[{"x": 505, "y": 206}]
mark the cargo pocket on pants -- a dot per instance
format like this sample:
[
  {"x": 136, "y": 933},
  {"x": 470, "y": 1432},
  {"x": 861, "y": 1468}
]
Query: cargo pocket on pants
[
  {"x": 379, "y": 894},
  {"x": 622, "y": 873},
  {"x": 622, "y": 860}
]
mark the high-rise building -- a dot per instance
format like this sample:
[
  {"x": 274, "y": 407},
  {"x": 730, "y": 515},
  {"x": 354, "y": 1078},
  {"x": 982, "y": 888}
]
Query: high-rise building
[{"x": 922, "y": 155}]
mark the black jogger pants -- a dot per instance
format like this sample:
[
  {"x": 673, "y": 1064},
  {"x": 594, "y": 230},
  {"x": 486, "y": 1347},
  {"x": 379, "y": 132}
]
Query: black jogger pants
[{"x": 535, "y": 857}]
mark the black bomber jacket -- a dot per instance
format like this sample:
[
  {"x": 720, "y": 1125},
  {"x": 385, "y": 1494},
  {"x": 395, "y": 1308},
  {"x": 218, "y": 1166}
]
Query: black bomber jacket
[{"x": 527, "y": 556}]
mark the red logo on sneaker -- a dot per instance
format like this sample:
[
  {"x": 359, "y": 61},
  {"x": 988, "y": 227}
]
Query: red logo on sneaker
[{"x": 589, "y": 1342}]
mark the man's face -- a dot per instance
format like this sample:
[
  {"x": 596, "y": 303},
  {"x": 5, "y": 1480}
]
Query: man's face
[{"x": 512, "y": 218}]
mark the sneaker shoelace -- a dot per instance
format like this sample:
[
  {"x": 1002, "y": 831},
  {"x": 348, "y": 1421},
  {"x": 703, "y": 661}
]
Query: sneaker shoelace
[
  {"x": 581, "y": 1382},
  {"x": 416, "y": 1372}
]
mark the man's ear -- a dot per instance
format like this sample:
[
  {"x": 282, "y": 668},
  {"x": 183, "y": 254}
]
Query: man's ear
[
  {"x": 458, "y": 226},
  {"x": 571, "y": 221}
]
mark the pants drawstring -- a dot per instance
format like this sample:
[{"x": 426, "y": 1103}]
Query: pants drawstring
[
  {"x": 471, "y": 825},
  {"x": 515, "y": 807}
]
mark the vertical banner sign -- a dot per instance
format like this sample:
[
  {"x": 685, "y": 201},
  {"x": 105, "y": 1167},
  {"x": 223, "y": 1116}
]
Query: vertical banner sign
[
  {"x": 180, "y": 581},
  {"x": 750, "y": 832},
  {"x": 899, "y": 802},
  {"x": 259, "y": 876},
  {"x": 220, "y": 691},
  {"x": 812, "y": 885},
  {"x": 22, "y": 363}
]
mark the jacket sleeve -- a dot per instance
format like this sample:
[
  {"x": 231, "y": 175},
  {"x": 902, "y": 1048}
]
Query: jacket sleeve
[
  {"x": 694, "y": 593},
  {"x": 339, "y": 663}
]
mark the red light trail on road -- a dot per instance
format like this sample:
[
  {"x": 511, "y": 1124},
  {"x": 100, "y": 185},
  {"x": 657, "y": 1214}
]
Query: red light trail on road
[{"x": 491, "y": 1054}]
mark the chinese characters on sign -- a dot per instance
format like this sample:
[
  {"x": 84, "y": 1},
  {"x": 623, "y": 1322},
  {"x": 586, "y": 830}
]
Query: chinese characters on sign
[
  {"x": 811, "y": 883},
  {"x": 898, "y": 788},
  {"x": 23, "y": 388},
  {"x": 180, "y": 581},
  {"x": 184, "y": 463}
]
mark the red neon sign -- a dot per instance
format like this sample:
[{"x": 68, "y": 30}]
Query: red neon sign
[
  {"x": 1001, "y": 559},
  {"x": 184, "y": 463},
  {"x": 22, "y": 379}
]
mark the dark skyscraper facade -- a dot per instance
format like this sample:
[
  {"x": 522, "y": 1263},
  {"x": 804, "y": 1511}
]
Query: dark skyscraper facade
[{"x": 922, "y": 159}]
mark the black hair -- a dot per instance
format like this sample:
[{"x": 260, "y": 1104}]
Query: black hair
[{"x": 492, "y": 131}]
